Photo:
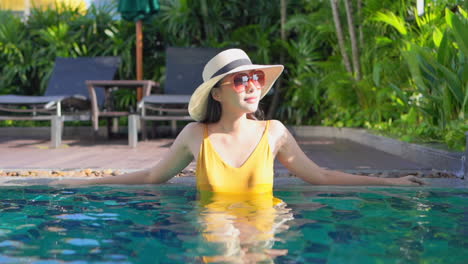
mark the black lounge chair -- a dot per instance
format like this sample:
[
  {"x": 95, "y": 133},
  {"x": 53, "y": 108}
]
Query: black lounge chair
[
  {"x": 66, "y": 97},
  {"x": 184, "y": 67}
]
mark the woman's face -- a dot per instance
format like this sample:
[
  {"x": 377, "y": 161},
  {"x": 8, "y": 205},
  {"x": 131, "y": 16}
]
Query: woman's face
[{"x": 241, "y": 90}]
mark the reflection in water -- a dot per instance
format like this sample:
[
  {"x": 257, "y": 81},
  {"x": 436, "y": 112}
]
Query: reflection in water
[{"x": 243, "y": 226}]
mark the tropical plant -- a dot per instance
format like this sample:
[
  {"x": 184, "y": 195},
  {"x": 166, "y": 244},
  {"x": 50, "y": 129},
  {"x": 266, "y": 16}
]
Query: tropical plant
[
  {"x": 14, "y": 51},
  {"x": 406, "y": 73},
  {"x": 436, "y": 56}
]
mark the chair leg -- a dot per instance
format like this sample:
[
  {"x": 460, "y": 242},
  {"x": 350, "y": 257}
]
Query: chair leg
[
  {"x": 115, "y": 125},
  {"x": 109, "y": 127},
  {"x": 173, "y": 127},
  {"x": 133, "y": 130},
  {"x": 154, "y": 129},
  {"x": 56, "y": 131},
  {"x": 144, "y": 132}
]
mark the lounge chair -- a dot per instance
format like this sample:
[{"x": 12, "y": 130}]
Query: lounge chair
[
  {"x": 66, "y": 97},
  {"x": 184, "y": 67}
]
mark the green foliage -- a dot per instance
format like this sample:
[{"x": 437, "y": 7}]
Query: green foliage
[
  {"x": 407, "y": 129},
  {"x": 414, "y": 69},
  {"x": 16, "y": 54},
  {"x": 438, "y": 68},
  {"x": 414, "y": 72},
  {"x": 28, "y": 49}
]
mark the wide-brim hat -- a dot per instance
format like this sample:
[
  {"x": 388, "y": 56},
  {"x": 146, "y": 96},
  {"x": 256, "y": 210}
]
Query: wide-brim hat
[{"x": 224, "y": 63}]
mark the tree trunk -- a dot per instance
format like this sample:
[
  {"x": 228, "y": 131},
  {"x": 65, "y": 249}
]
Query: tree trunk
[
  {"x": 207, "y": 30},
  {"x": 361, "y": 34},
  {"x": 354, "y": 44},
  {"x": 276, "y": 94},
  {"x": 339, "y": 35}
]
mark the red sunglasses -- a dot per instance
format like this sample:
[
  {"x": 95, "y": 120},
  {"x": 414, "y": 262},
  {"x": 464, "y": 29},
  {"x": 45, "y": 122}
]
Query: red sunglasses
[{"x": 241, "y": 80}]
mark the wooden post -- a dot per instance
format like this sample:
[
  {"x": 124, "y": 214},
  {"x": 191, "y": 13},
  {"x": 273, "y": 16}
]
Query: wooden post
[{"x": 139, "y": 56}]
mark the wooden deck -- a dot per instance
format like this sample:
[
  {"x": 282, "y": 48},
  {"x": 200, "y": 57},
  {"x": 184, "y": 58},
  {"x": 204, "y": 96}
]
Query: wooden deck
[
  {"x": 34, "y": 153},
  {"x": 75, "y": 154}
]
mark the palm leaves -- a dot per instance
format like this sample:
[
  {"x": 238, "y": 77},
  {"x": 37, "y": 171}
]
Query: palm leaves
[
  {"x": 28, "y": 49},
  {"x": 435, "y": 50},
  {"x": 391, "y": 19},
  {"x": 439, "y": 70},
  {"x": 16, "y": 54}
]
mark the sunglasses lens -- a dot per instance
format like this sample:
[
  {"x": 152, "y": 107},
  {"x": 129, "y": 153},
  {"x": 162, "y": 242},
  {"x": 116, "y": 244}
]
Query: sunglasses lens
[
  {"x": 240, "y": 82},
  {"x": 258, "y": 77}
]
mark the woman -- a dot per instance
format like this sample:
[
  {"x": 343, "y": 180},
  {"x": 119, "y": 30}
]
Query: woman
[{"x": 234, "y": 151}]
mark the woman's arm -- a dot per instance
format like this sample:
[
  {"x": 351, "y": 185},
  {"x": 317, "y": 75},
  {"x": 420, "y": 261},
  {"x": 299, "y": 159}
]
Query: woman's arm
[
  {"x": 293, "y": 158},
  {"x": 177, "y": 158}
]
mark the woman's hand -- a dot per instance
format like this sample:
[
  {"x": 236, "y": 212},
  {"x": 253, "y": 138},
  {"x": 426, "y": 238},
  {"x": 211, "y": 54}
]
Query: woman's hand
[{"x": 407, "y": 180}]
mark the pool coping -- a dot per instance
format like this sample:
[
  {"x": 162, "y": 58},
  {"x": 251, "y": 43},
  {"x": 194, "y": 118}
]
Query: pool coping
[
  {"x": 43, "y": 176},
  {"x": 77, "y": 173},
  {"x": 453, "y": 162},
  {"x": 280, "y": 183}
]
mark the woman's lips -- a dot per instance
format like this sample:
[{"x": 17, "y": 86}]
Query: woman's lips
[{"x": 251, "y": 100}]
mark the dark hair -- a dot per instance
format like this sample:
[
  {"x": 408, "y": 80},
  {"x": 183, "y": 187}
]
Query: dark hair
[{"x": 214, "y": 111}]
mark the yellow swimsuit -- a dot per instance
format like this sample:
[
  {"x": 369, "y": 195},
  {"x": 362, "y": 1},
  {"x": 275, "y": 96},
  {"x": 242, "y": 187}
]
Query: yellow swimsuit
[
  {"x": 254, "y": 176},
  {"x": 238, "y": 209}
]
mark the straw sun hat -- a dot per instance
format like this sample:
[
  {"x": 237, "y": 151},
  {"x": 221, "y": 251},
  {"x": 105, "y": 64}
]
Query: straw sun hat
[{"x": 224, "y": 63}]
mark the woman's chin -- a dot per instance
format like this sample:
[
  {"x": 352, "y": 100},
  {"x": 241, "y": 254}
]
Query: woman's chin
[{"x": 251, "y": 108}]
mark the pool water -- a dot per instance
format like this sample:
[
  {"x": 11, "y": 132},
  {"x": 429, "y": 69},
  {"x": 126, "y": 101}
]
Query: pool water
[{"x": 172, "y": 224}]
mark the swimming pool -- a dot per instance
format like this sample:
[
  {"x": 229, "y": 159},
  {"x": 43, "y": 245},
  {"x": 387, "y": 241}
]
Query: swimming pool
[{"x": 170, "y": 224}]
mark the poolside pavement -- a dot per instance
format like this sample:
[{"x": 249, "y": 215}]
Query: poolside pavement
[{"x": 34, "y": 153}]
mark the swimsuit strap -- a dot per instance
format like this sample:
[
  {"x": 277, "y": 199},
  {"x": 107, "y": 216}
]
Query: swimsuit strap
[{"x": 205, "y": 133}]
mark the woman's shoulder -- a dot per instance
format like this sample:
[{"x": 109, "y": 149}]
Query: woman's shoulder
[
  {"x": 276, "y": 126},
  {"x": 192, "y": 131},
  {"x": 277, "y": 133},
  {"x": 276, "y": 129},
  {"x": 194, "y": 127}
]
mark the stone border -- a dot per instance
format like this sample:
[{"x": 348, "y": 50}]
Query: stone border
[
  {"x": 90, "y": 173},
  {"x": 454, "y": 162},
  {"x": 44, "y": 177},
  {"x": 280, "y": 183}
]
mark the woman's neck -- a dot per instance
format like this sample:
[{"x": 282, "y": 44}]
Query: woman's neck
[{"x": 232, "y": 123}]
